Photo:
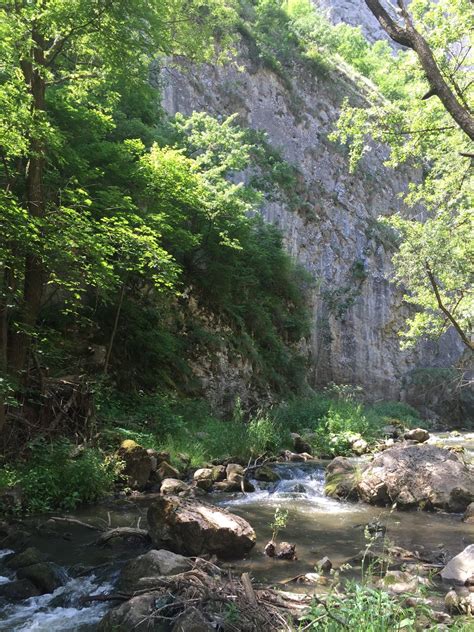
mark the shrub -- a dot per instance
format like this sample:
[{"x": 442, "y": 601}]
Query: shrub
[
  {"x": 361, "y": 609},
  {"x": 61, "y": 476}
]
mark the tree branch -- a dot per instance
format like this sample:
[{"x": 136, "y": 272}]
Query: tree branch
[
  {"x": 411, "y": 38},
  {"x": 445, "y": 310}
]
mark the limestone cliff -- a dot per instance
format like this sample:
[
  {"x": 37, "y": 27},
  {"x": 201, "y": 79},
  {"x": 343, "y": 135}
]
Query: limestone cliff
[{"x": 332, "y": 229}]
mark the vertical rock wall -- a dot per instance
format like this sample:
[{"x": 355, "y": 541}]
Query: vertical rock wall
[{"x": 333, "y": 232}]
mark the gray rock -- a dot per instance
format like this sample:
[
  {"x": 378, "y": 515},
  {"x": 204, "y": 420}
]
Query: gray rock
[
  {"x": 460, "y": 568},
  {"x": 165, "y": 470},
  {"x": 417, "y": 434},
  {"x": 266, "y": 473},
  {"x": 155, "y": 563},
  {"x": 194, "y": 528},
  {"x": 18, "y": 590},
  {"x": 138, "y": 464},
  {"x": 46, "y": 576},
  {"x": 191, "y": 620},
  {"x": 469, "y": 514},
  {"x": 135, "y": 614},
  {"x": 173, "y": 486},
  {"x": 342, "y": 477},
  {"x": 234, "y": 468},
  {"x": 29, "y": 556},
  {"x": 419, "y": 476}
]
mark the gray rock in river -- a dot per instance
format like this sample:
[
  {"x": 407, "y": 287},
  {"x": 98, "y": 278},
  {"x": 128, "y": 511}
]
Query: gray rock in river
[
  {"x": 194, "y": 528},
  {"x": 152, "y": 564},
  {"x": 135, "y": 614},
  {"x": 421, "y": 476},
  {"x": 461, "y": 567},
  {"x": 413, "y": 476}
]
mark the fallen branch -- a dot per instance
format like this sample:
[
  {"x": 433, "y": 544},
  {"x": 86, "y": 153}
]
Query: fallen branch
[{"x": 122, "y": 532}]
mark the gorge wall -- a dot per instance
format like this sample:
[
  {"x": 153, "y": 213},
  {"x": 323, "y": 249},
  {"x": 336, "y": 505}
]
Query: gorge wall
[{"x": 332, "y": 230}]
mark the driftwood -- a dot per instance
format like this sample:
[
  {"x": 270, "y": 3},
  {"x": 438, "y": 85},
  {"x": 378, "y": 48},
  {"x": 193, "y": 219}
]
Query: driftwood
[
  {"x": 122, "y": 532},
  {"x": 258, "y": 609}
]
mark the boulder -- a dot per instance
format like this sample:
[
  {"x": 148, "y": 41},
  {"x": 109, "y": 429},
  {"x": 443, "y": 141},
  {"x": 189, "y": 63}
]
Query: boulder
[
  {"x": 203, "y": 478},
  {"x": 138, "y": 464},
  {"x": 469, "y": 514},
  {"x": 194, "y": 528},
  {"x": 204, "y": 473},
  {"x": 29, "y": 556},
  {"x": 234, "y": 468},
  {"x": 134, "y": 615},
  {"x": 191, "y": 620},
  {"x": 324, "y": 564},
  {"x": 242, "y": 482},
  {"x": 218, "y": 473},
  {"x": 165, "y": 470},
  {"x": 299, "y": 444},
  {"x": 402, "y": 582},
  {"x": 227, "y": 486},
  {"x": 173, "y": 486},
  {"x": 18, "y": 590},
  {"x": 421, "y": 476},
  {"x": 266, "y": 473},
  {"x": 342, "y": 476},
  {"x": 420, "y": 435},
  {"x": 360, "y": 446},
  {"x": 46, "y": 576},
  {"x": 460, "y": 568},
  {"x": 155, "y": 563}
]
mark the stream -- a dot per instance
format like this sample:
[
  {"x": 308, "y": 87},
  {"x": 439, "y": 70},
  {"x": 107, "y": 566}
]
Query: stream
[{"x": 319, "y": 526}]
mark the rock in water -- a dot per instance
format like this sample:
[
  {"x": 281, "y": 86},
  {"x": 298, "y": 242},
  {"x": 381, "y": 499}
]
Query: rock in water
[
  {"x": 417, "y": 434},
  {"x": 422, "y": 476},
  {"x": 135, "y": 614},
  {"x": 460, "y": 568},
  {"x": 194, "y": 528},
  {"x": 469, "y": 514},
  {"x": 151, "y": 564}
]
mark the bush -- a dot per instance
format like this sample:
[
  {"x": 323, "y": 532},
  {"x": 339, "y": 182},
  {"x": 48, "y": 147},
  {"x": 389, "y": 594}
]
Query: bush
[
  {"x": 362, "y": 609},
  {"x": 380, "y": 413},
  {"x": 60, "y": 476}
]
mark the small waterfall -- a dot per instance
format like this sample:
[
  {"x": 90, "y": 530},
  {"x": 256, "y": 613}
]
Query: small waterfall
[{"x": 299, "y": 483}]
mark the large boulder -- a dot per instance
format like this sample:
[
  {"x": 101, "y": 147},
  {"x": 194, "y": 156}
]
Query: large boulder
[
  {"x": 29, "y": 556},
  {"x": 461, "y": 567},
  {"x": 152, "y": 564},
  {"x": 469, "y": 514},
  {"x": 194, "y": 528},
  {"x": 138, "y": 464},
  {"x": 18, "y": 590},
  {"x": 422, "y": 476},
  {"x": 191, "y": 620},
  {"x": 342, "y": 477},
  {"x": 174, "y": 486},
  {"x": 420, "y": 435},
  {"x": 135, "y": 614}
]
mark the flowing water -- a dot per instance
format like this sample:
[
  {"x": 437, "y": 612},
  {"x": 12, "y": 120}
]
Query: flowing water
[{"x": 319, "y": 526}]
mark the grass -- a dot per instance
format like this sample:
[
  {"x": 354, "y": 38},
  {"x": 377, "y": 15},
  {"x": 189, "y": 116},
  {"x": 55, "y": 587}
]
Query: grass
[{"x": 58, "y": 476}]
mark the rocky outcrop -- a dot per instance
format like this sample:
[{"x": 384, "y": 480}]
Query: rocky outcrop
[
  {"x": 194, "y": 528},
  {"x": 422, "y": 476},
  {"x": 332, "y": 228}
]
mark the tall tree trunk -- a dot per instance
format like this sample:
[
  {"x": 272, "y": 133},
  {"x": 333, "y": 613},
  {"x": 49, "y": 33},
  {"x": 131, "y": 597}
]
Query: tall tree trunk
[
  {"x": 114, "y": 329},
  {"x": 36, "y": 204}
]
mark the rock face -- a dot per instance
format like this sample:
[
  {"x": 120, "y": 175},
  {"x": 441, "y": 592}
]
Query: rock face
[
  {"x": 417, "y": 476},
  {"x": 193, "y": 528},
  {"x": 332, "y": 229},
  {"x": 461, "y": 567}
]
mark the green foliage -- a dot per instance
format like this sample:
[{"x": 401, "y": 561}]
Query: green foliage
[
  {"x": 60, "y": 476},
  {"x": 434, "y": 261},
  {"x": 362, "y": 609},
  {"x": 280, "y": 520}
]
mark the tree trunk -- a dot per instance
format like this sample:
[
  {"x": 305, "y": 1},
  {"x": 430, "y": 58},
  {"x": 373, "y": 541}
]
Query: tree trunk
[
  {"x": 114, "y": 329},
  {"x": 36, "y": 204}
]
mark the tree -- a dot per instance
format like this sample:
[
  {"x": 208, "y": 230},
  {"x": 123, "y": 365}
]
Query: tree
[
  {"x": 432, "y": 136},
  {"x": 62, "y": 64}
]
